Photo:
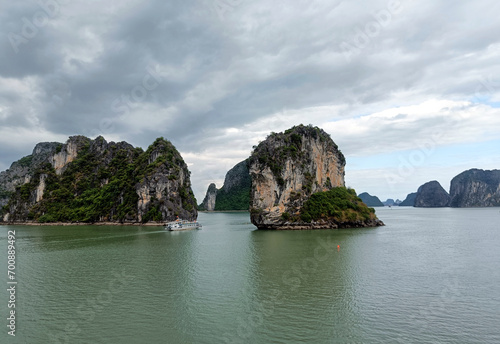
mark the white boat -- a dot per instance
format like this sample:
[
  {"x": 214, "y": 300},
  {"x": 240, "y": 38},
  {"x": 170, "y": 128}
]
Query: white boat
[{"x": 182, "y": 225}]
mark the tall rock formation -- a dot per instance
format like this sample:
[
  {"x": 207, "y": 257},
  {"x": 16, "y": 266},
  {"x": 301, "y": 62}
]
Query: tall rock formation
[
  {"x": 371, "y": 201},
  {"x": 234, "y": 194},
  {"x": 287, "y": 169},
  {"x": 21, "y": 171},
  {"x": 432, "y": 195},
  {"x": 409, "y": 200},
  {"x": 391, "y": 203},
  {"x": 208, "y": 203},
  {"x": 88, "y": 180},
  {"x": 476, "y": 188}
]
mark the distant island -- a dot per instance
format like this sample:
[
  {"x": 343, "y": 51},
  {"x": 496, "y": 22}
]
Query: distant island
[
  {"x": 471, "y": 188},
  {"x": 369, "y": 200},
  {"x": 93, "y": 181},
  {"x": 292, "y": 180},
  {"x": 233, "y": 195}
]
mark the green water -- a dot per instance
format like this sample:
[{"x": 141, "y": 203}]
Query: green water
[{"x": 428, "y": 276}]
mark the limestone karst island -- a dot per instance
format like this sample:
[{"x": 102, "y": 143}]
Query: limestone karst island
[
  {"x": 93, "y": 181},
  {"x": 292, "y": 180}
]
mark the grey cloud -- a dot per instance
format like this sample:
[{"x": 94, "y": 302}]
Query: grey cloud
[{"x": 260, "y": 58}]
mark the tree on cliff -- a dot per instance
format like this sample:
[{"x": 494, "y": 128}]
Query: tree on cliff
[
  {"x": 88, "y": 180},
  {"x": 294, "y": 171}
]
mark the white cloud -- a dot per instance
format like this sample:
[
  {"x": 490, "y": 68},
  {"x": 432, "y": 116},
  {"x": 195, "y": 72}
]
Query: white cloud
[
  {"x": 228, "y": 81},
  {"x": 435, "y": 123}
]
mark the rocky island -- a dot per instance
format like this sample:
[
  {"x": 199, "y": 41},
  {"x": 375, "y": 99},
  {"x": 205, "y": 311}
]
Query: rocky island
[
  {"x": 409, "y": 200},
  {"x": 475, "y": 188},
  {"x": 471, "y": 188},
  {"x": 94, "y": 181},
  {"x": 431, "y": 195},
  {"x": 298, "y": 183},
  {"x": 233, "y": 195},
  {"x": 369, "y": 200}
]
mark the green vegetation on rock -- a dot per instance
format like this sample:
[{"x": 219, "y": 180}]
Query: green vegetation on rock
[
  {"x": 102, "y": 183},
  {"x": 339, "y": 204},
  {"x": 237, "y": 199},
  {"x": 26, "y": 161},
  {"x": 278, "y": 147},
  {"x": 234, "y": 195},
  {"x": 369, "y": 200}
]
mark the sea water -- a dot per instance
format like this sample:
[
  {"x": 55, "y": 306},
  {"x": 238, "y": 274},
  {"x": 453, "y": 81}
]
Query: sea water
[{"x": 428, "y": 276}]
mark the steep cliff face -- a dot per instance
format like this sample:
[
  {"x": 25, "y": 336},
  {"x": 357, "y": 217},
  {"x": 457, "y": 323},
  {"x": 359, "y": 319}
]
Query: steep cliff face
[
  {"x": 476, "y": 188},
  {"x": 286, "y": 170},
  {"x": 371, "y": 201},
  {"x": 234, "y": 194},
  {"x": 237, "y": 177},
  {"x": 68, "y": 152},
  {"x": 409, "y": 200},
  {"x": 432, "y": 195},
  {"x": 208, "y": 203},
  {"x": 21, "y": 171},
  {"x": 88, "y": 180}
]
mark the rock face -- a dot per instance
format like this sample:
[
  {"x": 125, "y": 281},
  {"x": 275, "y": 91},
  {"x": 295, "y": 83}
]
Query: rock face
[
  {"x": 391, "y": 203},
  {"x": 286, "y": 169},
  {"x": 432, "y": 195},
  {"x": 371, "y": 201},
  {"x": 409, "y": 200},
  {"x": 88, "y": 180},
  {"x": 21, "y": 171},
  {"x": 234, "y": 194},
  {"x": 208, "y": 203},
  {"x": 476, "y": 188}
]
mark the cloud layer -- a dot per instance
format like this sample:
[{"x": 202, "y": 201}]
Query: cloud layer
[{"x": 217, "y": 76}]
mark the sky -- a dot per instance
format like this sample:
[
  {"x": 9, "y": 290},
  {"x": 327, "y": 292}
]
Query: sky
[{"x": 409, "y": 90}]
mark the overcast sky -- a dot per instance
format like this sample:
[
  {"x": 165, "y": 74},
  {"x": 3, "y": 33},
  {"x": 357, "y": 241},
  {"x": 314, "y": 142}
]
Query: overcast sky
[{"x": 409, "y": 90}]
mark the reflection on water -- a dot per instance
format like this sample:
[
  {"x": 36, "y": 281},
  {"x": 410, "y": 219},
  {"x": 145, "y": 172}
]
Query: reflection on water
[{"x": 429, "y": 275}]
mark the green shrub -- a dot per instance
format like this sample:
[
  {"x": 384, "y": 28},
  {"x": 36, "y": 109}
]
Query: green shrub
[
  {"x": 26, "y": 161},
  {"x": 78, "y": 194},
  {"x": 286, "y": 216},
  {"x": 339, "y": 203}
]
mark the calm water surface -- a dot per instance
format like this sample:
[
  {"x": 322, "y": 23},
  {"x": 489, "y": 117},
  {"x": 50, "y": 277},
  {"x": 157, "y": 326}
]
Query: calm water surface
[{"x": 428, "y": 276}]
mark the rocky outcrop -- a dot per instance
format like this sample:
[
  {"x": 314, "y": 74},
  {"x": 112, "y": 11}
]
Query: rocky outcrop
[
  {"x": 476, "y": 188},
  {"x": 234, "y": 194},
  {"x": 208, "y": 203},
  {"x": 371, "y": 201},
  {"x": 391, "y": 203},
  {"x": 432, "y": 195},
  {"x": 409, "y": 200},
  {"x": 237, "y": 177},
  {"x": 287, "y": 169},
  {"x": 88, "y": 180},
  {"x": 21, "y": 171},
  {"x": 69, "y": 151}
]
